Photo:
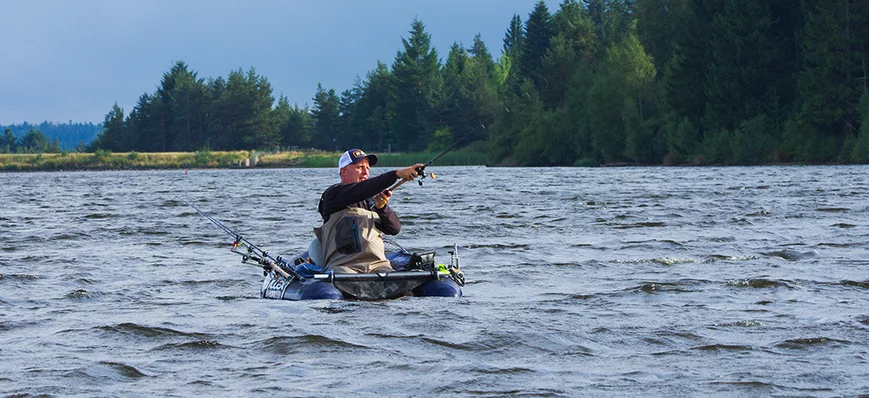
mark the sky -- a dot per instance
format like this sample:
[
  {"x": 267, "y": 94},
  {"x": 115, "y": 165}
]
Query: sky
[{"x": 71, "y": 60}]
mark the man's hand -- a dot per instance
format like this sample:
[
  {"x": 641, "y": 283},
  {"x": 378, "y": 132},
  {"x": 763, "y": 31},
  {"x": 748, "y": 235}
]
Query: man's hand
[
  {"x": 382, "y": 198},
  {"x": 408, "y": 173}
]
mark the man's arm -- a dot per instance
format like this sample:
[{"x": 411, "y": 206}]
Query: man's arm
[
  {"x": 339, "y": 196},
  {"x": 389, "y": 222}
]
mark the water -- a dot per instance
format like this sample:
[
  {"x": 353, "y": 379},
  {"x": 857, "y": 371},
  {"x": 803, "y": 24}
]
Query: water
[{"x": 582, "y": 282}]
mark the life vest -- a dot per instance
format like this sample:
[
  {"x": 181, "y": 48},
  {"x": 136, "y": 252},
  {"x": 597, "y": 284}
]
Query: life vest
[{"x": 352, "y": 242}]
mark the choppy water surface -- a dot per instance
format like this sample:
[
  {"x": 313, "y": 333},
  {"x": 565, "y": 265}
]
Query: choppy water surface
[{"x": 606, "y": 281}]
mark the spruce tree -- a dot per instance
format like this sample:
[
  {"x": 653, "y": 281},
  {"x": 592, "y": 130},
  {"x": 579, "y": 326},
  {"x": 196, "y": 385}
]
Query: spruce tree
[
  {"x": 325, "y": 114},
  {"x": 538, "y": 33},
  {"x": 415, "y": 91}
]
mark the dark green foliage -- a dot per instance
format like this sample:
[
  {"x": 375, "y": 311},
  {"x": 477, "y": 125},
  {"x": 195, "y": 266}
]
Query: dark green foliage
[
  {"x": 612, "y": 19},
  {"x": 686, "y": 72},
  {"x": 575, "y": 26},
  {"x": 34, "y": 142},
  {"x": 657, "y": 26},
  {"x": 511, "y": 53},
  {"x": 415, "y": 92},
  {"x": 470, "y": 94},
  {"x": 683, "y": 139},
  {"x": 752, "y": 142},
  {"x": 597, "y": 81},
  {"x": 622, "y": 105},
  {"x": 68, "y": 135},
  {"x": 115, "y": 132},
  {"x": 369, "y": 113},
  {"x": 538, "y": 33},
  {"x": 747, "y": 61},
  {"x": 187, "y": 113},
  {"x": 858, "y": 152},
  {"x": 294, "y": 124},
  {"x": 8, "y": 141},
  {"x": 326, "y": 131},
  {"x": 835, "y": 46}
]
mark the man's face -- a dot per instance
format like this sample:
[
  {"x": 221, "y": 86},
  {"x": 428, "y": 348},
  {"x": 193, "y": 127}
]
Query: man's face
[{"x": 355, "y": 172}]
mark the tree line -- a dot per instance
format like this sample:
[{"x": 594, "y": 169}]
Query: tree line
[
  {"x": 47, "y": 137},
  {"x": 595, "y": 81}
]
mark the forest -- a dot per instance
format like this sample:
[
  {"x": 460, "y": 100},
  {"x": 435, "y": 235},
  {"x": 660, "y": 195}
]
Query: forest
[
  {"x": 47, "y": 137},
  {"x": 594, "y": 82}
]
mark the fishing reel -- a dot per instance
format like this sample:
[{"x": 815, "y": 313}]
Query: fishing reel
[
  {"x": 422, "y": 175},
  {"x": 456, "y": 273}
]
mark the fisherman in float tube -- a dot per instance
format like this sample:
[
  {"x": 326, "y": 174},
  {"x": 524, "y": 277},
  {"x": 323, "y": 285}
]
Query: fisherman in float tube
[{"x": 356, "y": 214}]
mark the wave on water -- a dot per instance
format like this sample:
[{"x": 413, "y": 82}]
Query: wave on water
[
  {"x": 792, "y": 255},
  {"x": 647, "y": 224},
  {"x": 286, "y": 345},
  {"x": 69, "y": 236},
  {"x": 723, "y": 347},
  {"x": 861, "y": 284},
  {"x": 23, "y": 277},
  {"x": 833, "y": 209},
  {"x": 808, "y": 343},
  {"x": 81, "y": 294},
  {"x": 743, "y": 324},
  {"x": 662, "y": 287},
  {"x": 107, "y": 370},
  {"x": 759, "y": 283},
  {"x": 191, "y": 345},
  {"x": 721, "y": 257},
  {"x": 136, "y": 330},
  {"x": 98, "y": 216},
  {"x": 843, "y": 225},
  {"x": 659, "y": 260}
]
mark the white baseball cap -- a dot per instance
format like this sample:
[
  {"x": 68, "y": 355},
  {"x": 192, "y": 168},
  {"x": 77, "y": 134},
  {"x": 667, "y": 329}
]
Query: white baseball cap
[{"x": 353, "y": 156}]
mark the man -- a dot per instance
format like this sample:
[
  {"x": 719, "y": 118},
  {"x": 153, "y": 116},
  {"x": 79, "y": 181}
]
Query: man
[{"x": 353, "y": 226}]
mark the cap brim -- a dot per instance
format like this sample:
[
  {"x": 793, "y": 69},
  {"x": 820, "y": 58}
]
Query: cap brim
[{"x": 372, "y": 159}]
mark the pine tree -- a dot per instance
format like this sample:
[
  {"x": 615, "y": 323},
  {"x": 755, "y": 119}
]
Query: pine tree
[
  {"x": 834, "y": 75},
  {"x": 685, "y": 76},
  {"x": 416, "y": 88},
  {"x": 538, "y": 33},
  {"x": 508, "y": 66},
  {"x": 573, "y": 23},
  {"x": 743, "y": 80},
  {"x": 370, "y": 113},
  {"x": 113, "y": 137},
  {"x": 8, "y": 141},
  {"x": 622, "y": 105},
  {"x": 557, "y": 68},
  {"x": 33, "y": 142},
  {"x": 657, "y": 25},
  {"x": 294, "y": 123},
  {"x": 326, "y": 132}
]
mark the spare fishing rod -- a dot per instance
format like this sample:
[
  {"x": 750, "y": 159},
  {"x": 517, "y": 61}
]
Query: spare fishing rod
[{"x": 253, "y": 252}]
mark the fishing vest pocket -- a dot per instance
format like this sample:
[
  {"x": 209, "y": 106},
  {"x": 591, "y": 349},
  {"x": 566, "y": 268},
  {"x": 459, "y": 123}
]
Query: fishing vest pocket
[{"x": 347, "y": 236}]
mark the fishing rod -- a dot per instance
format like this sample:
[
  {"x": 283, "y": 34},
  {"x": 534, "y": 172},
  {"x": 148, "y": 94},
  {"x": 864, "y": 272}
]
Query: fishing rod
[
  {"x": 421, "y": 170},
  {"x": 253, "y": 252}
]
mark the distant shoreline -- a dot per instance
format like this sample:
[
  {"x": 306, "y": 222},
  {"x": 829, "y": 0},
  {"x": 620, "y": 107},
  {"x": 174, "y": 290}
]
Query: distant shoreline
[{"x": 106, "y": 160}]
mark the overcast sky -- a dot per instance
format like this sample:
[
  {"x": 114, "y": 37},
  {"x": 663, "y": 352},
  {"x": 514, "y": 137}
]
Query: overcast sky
[{"x": 63, "y": 60}]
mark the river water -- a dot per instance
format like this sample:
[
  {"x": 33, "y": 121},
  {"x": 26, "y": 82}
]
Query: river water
[{"x": 581, "y": 282}]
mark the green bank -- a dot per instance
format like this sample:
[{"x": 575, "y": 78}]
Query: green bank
[{"x": 107, "y": 160}]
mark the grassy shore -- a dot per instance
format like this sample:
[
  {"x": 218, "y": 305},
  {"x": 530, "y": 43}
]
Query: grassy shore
[{"x": 106, "y": 160}]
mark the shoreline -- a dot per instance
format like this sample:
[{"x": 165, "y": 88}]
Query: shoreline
[
  {"x": 106, "y": 160},
  {"x": 205, "y": 160}
]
